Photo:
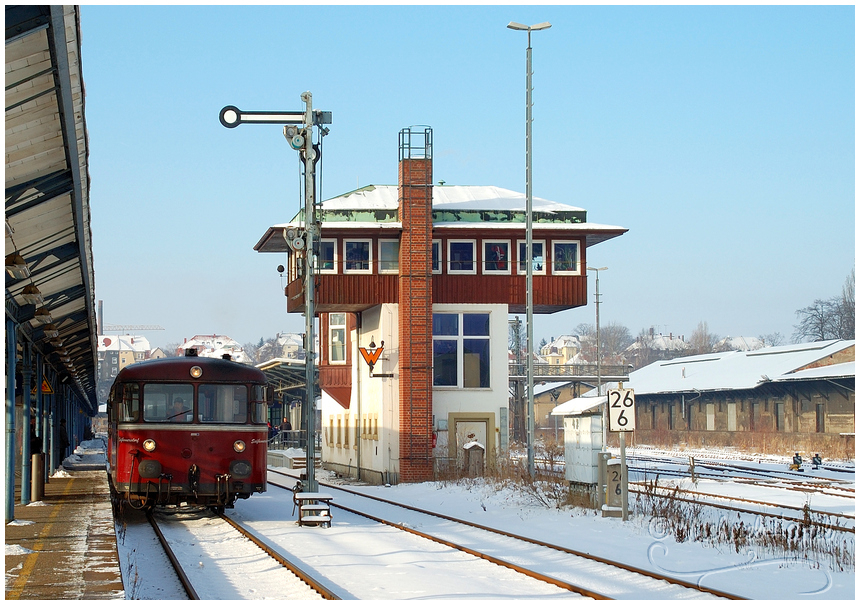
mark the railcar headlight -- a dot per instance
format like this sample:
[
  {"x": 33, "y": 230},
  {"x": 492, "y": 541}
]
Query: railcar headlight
[
  {"x": 196, "y": 372},
  {"x": 239, "y": 446},
  {"x": 149, "y": 445}
]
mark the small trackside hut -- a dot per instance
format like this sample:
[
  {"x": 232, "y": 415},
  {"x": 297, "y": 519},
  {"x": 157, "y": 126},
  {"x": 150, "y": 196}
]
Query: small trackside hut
[{"x": 187, "y": 429}]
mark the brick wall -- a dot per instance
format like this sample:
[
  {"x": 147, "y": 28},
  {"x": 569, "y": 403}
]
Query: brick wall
[{"x": 415, "y": 321}]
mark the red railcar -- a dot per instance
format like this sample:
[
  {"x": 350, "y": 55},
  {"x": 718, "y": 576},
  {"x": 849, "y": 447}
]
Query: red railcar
[{"x": 188, "y": 429}]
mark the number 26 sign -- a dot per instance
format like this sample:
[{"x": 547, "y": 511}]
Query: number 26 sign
[{"x": 622, "y": 416}]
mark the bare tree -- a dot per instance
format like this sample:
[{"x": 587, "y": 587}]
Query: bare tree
[
  {"x": 702, "y": 341},
  {"x": 847, "y": 308},
  {"x": 828, "y": 319},
  {"x": 171, "y": 348},
  {"x": 614, "y": 338},
  {"x": 774, "y": 339}
]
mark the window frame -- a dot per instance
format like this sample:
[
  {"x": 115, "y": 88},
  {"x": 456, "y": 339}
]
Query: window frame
[
  {"x": 507, "y": 260},
  {"x": 523, "y": 271},
  {"x": 389, "y": 271},
  {"x": 460, "y": 344},
  {"x": 578, "y": 244},
  {"x": 369, "y": 261},
  {"x": 437, "y": 269},
  {"x": 332, "y": 327},
  {"x": 474, "y": 269},
  {"x": 321, "y": 267}
]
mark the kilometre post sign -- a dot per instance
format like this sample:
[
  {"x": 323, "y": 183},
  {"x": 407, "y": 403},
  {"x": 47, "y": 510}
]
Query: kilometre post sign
[{"x": 622, "y": 416}]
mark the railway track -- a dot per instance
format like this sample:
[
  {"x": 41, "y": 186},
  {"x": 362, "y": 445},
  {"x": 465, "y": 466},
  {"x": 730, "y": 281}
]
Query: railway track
[
  {"x": 695, "y": 499},
  {"x": 741, "y": 471},
  {"x": 585, "y": 571},
  {"x": 189, "y": 553}
]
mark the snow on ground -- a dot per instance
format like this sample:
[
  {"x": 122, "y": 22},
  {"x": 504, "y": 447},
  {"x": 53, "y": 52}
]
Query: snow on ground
[{"x": 639, "y": 541}]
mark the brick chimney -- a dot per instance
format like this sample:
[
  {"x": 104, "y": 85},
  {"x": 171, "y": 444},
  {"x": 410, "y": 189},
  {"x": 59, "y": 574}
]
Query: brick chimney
[{"x": 415, "y": 201}]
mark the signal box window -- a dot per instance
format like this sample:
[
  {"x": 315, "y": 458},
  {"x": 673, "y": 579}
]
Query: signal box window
[
  {"x": 389, "y": 256},
  {"x": 357, "y": 256},
  {"x": 461, "y": 350},
  {"x": 537, "y": 257},
  {"x": 168, "y": 402},
  {"x": 565, "y": 257},
  {"x": 337, "y": 337},
  {"x": 222, "y": 403},
  {"x": 461, "y": 257},
  {"x": 328, "y": 256},
  {"x": 497, "y": 256},
  {"x": 436, "y": 249}
]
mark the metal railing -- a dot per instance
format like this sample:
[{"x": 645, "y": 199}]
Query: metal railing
[{"x": 517, "y": 371}]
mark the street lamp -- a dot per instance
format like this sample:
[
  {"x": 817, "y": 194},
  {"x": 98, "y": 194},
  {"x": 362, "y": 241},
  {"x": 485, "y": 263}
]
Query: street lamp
[
  {"x": 597, "y": 318},
  {"x": 529, "y": 252}
]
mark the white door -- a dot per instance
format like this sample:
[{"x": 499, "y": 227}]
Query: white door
[{"x": 733, "y": 417}]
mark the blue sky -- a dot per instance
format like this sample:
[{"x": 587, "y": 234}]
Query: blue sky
[{"x": 722, "y": 137}]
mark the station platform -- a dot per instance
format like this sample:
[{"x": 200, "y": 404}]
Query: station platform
[{"x": 64, "y": 545}]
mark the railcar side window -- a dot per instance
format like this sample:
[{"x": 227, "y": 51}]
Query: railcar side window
[
  {"x": 259, "y": 405},
  {"x": 222, "y": 403},
  {"x": 130, "y": 405},
  {"x": 168, "y": 402}
]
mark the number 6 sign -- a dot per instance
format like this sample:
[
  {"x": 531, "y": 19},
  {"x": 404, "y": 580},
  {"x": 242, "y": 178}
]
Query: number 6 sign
[{"x": 622, "y": 414}]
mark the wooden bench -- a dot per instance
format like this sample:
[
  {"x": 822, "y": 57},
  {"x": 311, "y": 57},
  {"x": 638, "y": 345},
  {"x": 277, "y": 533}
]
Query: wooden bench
[{"x": 313, "y": 507}]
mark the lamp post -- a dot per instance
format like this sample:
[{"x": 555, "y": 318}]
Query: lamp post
[
  {"x": 597, "y": 319},
  {"x": 530, "y": 431}
]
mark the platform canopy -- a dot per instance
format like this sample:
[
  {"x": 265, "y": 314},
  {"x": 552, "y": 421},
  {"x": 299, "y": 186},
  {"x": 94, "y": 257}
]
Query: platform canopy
[{"x": 51, "y": 296}]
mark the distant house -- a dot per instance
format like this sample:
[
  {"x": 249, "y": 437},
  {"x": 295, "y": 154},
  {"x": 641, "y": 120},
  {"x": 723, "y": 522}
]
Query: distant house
[
  {"x": 654, "y": 347},
  {"x": 215, "y": 345},
  {"x": 561, "y": 350},
  {"x": 291, "y": 345},
  {"x": 739, "y": 343},
  {"x": 779, "y": 398}
]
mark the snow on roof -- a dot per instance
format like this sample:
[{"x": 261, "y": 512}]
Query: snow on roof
[
  {"x": 660, "y": 342},
  {"x": 564, "y": 341},
  {"x": 445, "y": 197},
  {"x": 838, "y": 370},
  {"x": 542, "y": 388},
  {"x": 739, "y": 343},
  {"x": 732, "y": 370},
  {"x": 215, "y": 341},
  {"x": 125, "y": 342},
  {"x": 577, "y": 406}
]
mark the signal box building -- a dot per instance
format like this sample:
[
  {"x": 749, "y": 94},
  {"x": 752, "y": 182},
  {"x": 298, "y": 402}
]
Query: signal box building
[{"x": 414, "y": 287}]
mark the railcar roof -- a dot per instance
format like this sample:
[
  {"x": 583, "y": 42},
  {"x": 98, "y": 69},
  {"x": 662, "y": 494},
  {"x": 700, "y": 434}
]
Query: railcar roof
[{"x": 178, "y": 368}]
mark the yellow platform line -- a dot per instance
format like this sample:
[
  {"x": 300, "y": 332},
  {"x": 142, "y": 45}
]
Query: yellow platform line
[{"x": 30, "y": 561}]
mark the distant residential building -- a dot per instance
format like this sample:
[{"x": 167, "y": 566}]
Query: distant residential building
[
  {"x": 561, "y": 350},
  {"x": 653, "y": 347},
  {"x": 739, "y": 343},
  {"x": 216, "y": 345},
  {"x": 116, "y": 352},
  {"x": 292, "y": 345}
]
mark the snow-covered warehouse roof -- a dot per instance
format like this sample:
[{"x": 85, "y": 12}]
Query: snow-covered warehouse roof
[{"x": 737, "y": 370}]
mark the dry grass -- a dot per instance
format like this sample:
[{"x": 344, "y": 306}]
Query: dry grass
[{"x": 803, "y": 540}]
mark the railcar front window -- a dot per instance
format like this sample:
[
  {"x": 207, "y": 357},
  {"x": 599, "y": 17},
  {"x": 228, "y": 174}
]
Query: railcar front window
[
  {"x": 259, "y": 405},
  {"x": 130, "y": 406},
  {"x": 220, "y": 403},
  {"x": 168, "y": 402}
]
